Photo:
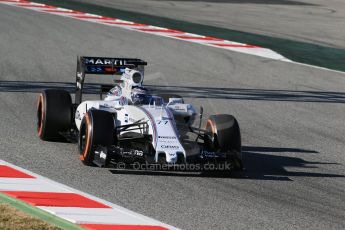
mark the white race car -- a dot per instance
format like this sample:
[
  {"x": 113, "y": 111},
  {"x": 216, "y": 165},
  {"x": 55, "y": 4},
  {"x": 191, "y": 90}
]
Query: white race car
[{"x": 130, "y": 124}]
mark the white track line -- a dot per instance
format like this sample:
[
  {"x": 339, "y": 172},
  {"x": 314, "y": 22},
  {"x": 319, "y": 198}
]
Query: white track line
[
  {"x": 37, "y": 185},
  {"x": 316, "y": 67},
  {"x": 95, "y": 216}
]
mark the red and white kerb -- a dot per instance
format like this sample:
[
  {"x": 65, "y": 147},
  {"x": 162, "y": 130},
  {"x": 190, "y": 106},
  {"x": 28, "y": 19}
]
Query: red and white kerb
[{"x": 70, "y": 204}]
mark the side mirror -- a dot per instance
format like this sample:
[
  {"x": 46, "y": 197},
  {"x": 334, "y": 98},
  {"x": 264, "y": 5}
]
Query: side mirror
[{"x": 173, "y": 100}]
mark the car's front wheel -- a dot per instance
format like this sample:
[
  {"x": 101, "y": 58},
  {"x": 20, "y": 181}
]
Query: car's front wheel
[
  {"x": 96, "y": 129},
  {"x": 223, "y": 135}
]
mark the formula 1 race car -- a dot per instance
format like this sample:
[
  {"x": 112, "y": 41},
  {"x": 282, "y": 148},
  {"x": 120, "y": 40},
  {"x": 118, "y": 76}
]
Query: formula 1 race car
[{"x": 130, "y": 124}]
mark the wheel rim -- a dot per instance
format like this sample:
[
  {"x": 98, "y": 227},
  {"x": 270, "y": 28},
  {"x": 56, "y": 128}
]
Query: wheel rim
[{"x": 211, "y": 138}]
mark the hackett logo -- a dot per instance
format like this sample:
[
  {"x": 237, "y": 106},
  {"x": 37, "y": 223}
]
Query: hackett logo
[
  {"x": 167, "y": 137},
  {"x": 104, "y": 61},
  {"x": 169, "y": 147}
]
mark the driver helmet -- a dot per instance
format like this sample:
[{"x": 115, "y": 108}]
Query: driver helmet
[
  {"x": 114, "y": 94},
  {"x": 139, "y": 95}
]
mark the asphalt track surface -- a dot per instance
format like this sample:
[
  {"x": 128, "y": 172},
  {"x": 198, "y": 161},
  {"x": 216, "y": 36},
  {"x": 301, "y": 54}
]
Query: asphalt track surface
[
  {"x": 291, "y": 116},
  {"x": 312, "y": 21},
  {"x": 300, "y": 31}
]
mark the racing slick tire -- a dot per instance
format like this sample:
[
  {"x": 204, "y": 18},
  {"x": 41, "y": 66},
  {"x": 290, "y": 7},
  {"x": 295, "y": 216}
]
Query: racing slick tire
[
  {"x": 223, "y": 135},
  {"x": 54, "y": 114},
  {"x": 166, "y": 97},
  {"x": 96, "y": 129}
]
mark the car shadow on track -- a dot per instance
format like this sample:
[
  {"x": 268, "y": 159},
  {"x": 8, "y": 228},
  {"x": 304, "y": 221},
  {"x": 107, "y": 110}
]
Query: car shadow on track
[
  {"x": 272, "y": 163},
  {"x": 191, "y": 92},
  {"x": 259, "y": 165}
]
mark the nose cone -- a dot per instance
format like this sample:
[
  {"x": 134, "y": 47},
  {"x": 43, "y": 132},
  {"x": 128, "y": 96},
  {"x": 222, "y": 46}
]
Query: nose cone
[
  {"x": 171, "y": 157},
  {"x": 175, "y": 157}
]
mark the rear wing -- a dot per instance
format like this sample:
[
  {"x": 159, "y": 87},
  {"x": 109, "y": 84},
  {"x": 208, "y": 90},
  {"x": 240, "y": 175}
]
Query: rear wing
[{"x": 103, "y": 65}]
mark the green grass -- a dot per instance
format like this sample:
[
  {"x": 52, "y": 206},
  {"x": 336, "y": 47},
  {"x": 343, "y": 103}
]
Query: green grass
[
  {"x": 11, "y": 218},
  {"x": 15, "y": 214}
]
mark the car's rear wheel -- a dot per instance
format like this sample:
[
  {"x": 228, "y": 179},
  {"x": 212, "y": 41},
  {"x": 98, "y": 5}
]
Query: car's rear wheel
[
  {"x": 223, "y": 135},
  {"x": 96, "y": 129},
  {"x": 54, "y": 114}
]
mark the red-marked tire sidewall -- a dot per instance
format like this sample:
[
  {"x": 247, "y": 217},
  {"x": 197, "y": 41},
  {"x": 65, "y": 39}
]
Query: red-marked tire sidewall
[
  {"x": 40, "y": 116},
  {"x": 85, "y": 144},
  {"x": 96, "y": 129},
  {"x": 53, "y": 114}
]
